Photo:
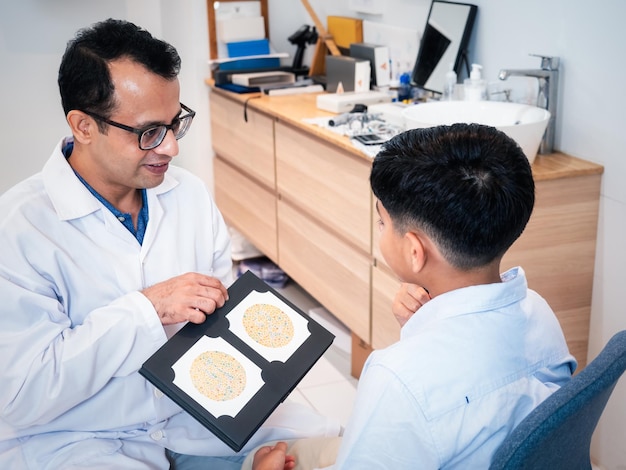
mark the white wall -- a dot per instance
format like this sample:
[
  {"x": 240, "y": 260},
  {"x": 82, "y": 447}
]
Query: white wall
[{"x": 588, "y": 36}]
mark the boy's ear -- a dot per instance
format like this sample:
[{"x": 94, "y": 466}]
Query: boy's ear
[
  {"x": 417, "y": 251},
  {"x": 81, "y": 125}
]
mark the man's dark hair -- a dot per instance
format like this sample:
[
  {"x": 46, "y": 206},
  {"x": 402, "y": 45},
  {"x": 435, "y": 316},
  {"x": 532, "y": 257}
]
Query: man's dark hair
[
  {"x": 469, "y": 187},
  {"x": 84, "y": 78}
]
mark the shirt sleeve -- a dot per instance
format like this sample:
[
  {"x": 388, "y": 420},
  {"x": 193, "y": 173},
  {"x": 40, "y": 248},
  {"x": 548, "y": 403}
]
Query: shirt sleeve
[
  {"x": 387, "y": 428},
  {"x": 49, "y": 366}
]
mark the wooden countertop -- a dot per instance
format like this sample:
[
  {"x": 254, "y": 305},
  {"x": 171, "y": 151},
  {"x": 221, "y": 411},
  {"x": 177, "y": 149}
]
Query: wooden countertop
[{"x": 293, "y": 109}]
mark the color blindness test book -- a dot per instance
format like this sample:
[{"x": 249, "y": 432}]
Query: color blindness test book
[{"x": 233, "y": 370}]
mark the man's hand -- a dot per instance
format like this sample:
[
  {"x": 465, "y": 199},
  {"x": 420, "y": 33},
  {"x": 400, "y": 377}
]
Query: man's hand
[
  {"x": 188, "y": 297},
  {"x": 407, "y": 301},
  {"x": 273, "y": 458}
]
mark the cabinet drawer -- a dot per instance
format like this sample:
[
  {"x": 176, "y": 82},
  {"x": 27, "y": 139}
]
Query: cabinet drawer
[
  {"x": 327, "y": 183},
  {"x": 557, "y": 252},
  {"x": 385, "y": 327},
  {"x": 247, "y": 145},
  {"x": 332, "y": 271},
  {"x": 247, "y": 206},
  {"x": 376, "y": 253}
]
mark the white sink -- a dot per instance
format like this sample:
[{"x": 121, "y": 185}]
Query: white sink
[{"x": 523, "y": 123}]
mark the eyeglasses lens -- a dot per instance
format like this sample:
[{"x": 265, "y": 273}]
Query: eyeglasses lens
[
  {"x": 153, "y": 137},
  {"x": 182, "y": 126}
]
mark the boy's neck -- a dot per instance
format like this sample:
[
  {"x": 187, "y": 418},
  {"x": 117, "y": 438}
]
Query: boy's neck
[{"x": 447, "y": 278}]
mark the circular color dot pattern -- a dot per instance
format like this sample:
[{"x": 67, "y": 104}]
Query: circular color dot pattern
[
  {"x": 268, "y": 325},
  {"x": 218, "y": 375}
]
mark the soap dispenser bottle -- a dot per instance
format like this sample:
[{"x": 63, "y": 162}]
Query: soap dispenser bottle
[
  {"x": 474, "y": 87},
  {"x": 449, "y": 87}
]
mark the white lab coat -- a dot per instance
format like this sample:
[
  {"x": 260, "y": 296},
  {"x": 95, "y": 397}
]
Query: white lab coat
[{"x": 74, "y": 328}]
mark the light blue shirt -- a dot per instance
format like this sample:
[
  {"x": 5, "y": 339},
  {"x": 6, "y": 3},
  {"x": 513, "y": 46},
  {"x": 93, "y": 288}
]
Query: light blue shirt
[{"x": 469, "y": 366}]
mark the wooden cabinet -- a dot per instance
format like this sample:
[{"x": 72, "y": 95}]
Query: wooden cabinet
[
  {"x": 557, "y": 251},
  {"x": 305, "y": 203},
  {"x": 332, "y": 271},
  {"x": 247, "y": 206},
  {"x": 301, "y": 194},
  {"x": 324, "y": 229},
  {"x": 244, "y": 172},
  {"x": 385, "y": 328},
  {"x": 244, "y": 140},
  {"x": 327, "y": 183}
]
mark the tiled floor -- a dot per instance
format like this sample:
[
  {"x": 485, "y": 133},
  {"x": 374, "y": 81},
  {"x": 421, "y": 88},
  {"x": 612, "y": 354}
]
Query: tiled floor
[{"x": 328, "y": 387}]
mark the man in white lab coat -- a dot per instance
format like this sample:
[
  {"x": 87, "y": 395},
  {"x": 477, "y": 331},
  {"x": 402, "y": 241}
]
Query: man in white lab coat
[{"x": 104, "y": 254}]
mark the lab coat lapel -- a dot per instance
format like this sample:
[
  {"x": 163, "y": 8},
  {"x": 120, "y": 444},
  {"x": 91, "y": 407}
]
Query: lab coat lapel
[
  {"x": 155, "y": 212},
  {"x": 70, "y": 198}
]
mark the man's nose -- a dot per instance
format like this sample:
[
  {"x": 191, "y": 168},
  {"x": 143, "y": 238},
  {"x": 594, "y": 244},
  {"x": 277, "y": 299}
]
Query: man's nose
[{"x": 169, "y": 146}]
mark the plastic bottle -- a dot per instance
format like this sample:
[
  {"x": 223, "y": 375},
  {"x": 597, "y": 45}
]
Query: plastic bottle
[
  {"x": 404, "y": 90},
  {"x": 449, "y": 85},
  {"x": 474, "y": 87}
]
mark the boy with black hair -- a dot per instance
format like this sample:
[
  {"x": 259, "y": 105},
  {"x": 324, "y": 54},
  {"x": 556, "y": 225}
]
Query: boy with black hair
[{"x": 485, "y": 350}]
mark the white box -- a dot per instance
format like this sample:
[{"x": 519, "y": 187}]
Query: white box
[
  {"x": 261, "y": 79},
  {"x": 245, "y": 28},
  {"x": 344, "y": 102},
  {"x": 347, "y": 73},
  {"x": 378, "y": 56}
]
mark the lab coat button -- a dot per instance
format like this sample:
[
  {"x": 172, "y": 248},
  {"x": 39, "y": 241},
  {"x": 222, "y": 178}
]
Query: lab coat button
[
  {"x": 157, "y": 435},
  {"x": 158, "y": 393}
]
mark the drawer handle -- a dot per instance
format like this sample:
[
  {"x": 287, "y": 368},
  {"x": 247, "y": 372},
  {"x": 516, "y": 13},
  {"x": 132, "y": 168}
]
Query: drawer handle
[{"x": 245, "y": 107}]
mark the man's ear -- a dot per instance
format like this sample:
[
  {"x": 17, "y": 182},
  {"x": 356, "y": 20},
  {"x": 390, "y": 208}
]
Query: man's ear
[
  {"x": 82, "y": 126},
  {"x": 417, "y": 251}
]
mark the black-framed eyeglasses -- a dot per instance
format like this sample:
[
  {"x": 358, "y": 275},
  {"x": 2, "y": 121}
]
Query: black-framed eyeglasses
[{"x": 152, "y": 136}]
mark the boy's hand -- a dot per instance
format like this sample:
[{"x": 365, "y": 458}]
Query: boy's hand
[
  {"x": 407, "y": 301},
  {"x": 273, "y": 458}
]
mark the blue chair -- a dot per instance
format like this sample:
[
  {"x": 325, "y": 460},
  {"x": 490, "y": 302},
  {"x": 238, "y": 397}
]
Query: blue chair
[{"x": 557, "y": 434}]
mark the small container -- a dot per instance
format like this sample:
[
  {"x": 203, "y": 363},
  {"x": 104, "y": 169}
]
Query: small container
[
  {"x": 449, "y": 86},
  {"x": 475, "y": 88},
  {"x": 404, "y": 90}
]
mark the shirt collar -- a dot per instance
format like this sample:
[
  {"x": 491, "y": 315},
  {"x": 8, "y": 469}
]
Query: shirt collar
[
  {"x": 472, "y": 299},
  {"x": 70, "y": 198},
  {"x": 125, "y": 219}
]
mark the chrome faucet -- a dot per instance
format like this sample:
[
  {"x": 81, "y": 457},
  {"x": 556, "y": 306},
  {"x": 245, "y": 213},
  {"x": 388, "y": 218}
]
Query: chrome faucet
[{"x": 548, "y": 79}]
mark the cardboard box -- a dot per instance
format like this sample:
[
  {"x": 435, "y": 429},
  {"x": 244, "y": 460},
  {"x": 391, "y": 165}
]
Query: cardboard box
[
  {"x": 378, "y": 57},
  {"x": 241, "y": 29},
  {"x": 345, "y": 31},
  {"x": 353, "y": 74}
]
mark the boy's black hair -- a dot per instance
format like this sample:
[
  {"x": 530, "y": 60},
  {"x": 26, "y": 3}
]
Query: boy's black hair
[
  {"x": 469, "y": 187},
  {"x": 84, "y": 78}
]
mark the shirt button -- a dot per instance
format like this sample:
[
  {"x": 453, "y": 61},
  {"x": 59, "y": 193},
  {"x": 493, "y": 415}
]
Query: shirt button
[
  {"x": 157, "y": 435},
  {"x": 121, "y": 218},
  {"x": 158, "y": 393}
]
